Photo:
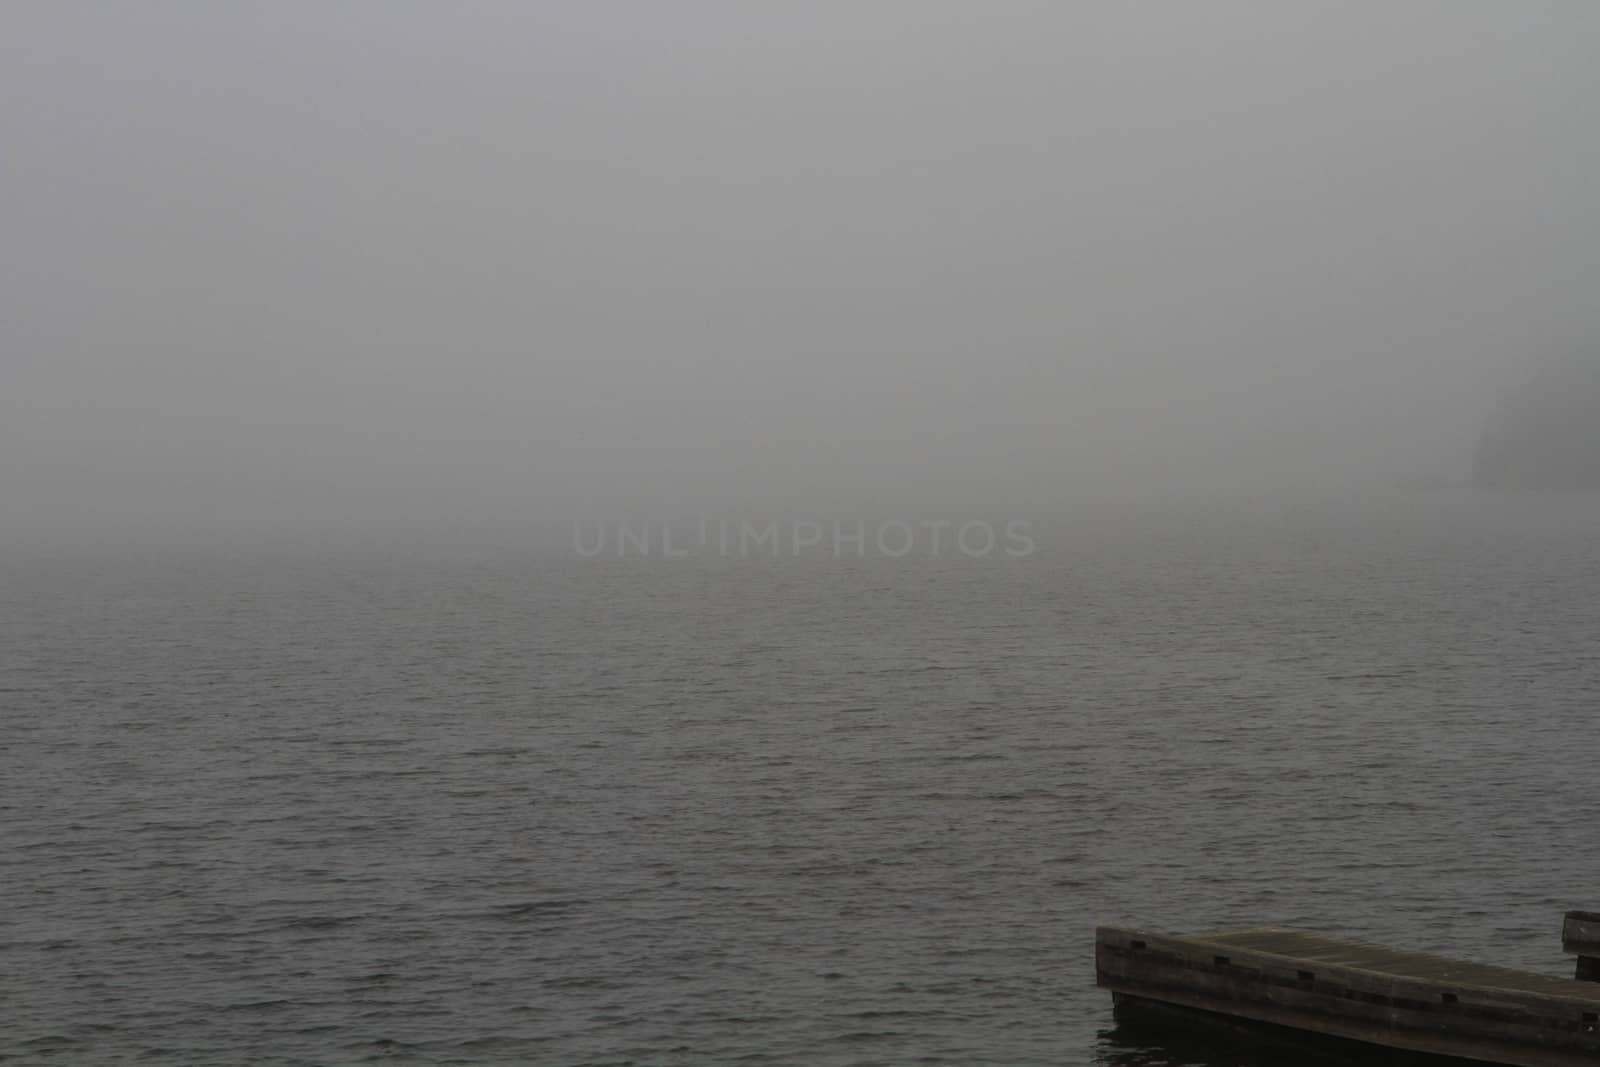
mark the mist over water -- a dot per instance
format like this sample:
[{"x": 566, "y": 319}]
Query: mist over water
[{"x": 718, "y": 532}]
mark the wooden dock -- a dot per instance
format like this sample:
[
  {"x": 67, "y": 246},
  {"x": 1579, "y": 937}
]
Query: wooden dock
[{"x": 1327, "y": 986}]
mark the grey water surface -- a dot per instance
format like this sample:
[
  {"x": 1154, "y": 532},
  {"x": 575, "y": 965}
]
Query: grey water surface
[{"x": 348, "y": 803}]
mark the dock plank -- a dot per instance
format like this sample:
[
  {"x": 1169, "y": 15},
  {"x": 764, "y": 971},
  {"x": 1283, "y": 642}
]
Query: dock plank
[{"x": 1403, "y": 963}]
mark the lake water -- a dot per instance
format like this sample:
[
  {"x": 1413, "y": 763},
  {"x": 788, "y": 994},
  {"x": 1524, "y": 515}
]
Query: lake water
[{"x": 338, "y": 804}]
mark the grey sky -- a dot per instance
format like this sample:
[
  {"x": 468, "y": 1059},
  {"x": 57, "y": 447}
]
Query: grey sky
[{"x": 419, "y": 258}]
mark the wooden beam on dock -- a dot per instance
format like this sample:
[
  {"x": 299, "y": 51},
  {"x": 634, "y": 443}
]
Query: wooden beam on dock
[{"x": 1356, "y": 991}]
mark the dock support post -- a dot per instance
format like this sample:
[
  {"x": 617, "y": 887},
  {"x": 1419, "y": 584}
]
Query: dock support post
[{"x": 1580, "y": 937}]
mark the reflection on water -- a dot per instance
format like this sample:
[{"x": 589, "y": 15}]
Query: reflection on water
[
  {"x": 1217, "y": 1042},
  {"x": 1135, "y": 1045}
]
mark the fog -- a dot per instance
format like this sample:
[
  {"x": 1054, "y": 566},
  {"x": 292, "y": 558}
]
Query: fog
[{"x": 419, "y": 260}]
